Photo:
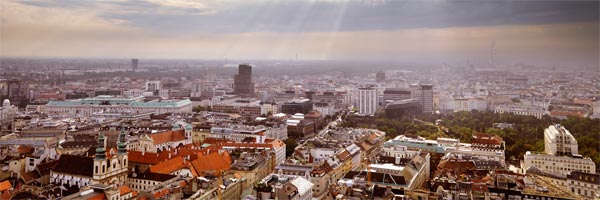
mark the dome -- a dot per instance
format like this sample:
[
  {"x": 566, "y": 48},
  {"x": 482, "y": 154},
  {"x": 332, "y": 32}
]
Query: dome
[{"x": 6, "y": 103}]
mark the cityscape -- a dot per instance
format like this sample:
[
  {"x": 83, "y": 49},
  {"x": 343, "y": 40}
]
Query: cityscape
[{"x": 300, "y": 100}]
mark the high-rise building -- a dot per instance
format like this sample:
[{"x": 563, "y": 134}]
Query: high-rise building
[
  {"x": 558, "y": 141},
  {"x": 134, "y": 64},
  {"x": 367, "y": 100},
  {"x": 242, "y": 82},
  {"x": 423, "y": 93},
  {"x": 380, "y": 77}
]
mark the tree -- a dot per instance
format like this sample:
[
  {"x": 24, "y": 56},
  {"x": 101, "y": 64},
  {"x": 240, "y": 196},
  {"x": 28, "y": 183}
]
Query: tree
[
  {"x": 290, "y": 146},
  {"x": 198, "y": 109}
]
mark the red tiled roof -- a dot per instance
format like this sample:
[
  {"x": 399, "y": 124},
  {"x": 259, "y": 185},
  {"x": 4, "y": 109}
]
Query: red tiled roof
[
  {"x": 169, "y": 166},
  {"x": 124, "y": 190},
  {"x": 5, "y": 185},
  {"x": 212, "y": 162},
  {"x": 168, "y": 136},
  {"x": 100, "y": 196}
]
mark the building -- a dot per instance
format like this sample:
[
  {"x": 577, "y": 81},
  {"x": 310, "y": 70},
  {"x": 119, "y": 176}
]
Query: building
[
  {"x": 324, "y": 108},
  {"x": 367, "y": 100},
  {"x": 395, "y": 94},
  {"x": 162, "y": 141},
  {"x": 285, "y": 187},
  {"x": 7, "y": 115},
  {"x": 153, "y": 85},
  {"x": 462, "y": 104},
  {"x": 521, "y": 110},
  {"x": 560, "y": 154},
  {"x": 297, "y": 106},
  {"x": 111, "y": 104},
  {"x": 586, "y": 185},
  {"x": 106, "y": 167},
  {"x": 380, "y": 77},
  {"x": 134, "y": 64},
  {"x": 242, "y": 82},
  {"x": 245, "y": 107},
  {"x": 562, "y": 165},
  {"x": 558, "y": 141},
  {"x": 401, "y": 108},
  {"x": 423, "y": 93}
]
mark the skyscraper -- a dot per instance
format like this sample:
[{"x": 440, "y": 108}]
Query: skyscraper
[
  {"x": 134, "y": 64},
  {"x": 242, "y": 82},
  {"x": 367, "y": 100},
  {"x": 380, "y": 77},
  {"x": 423, "y": 93}
]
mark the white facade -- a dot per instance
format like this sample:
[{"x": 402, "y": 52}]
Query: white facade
[
  {"x": 558, "y": 141},
  {"x": 108, "y": 104},
  {"x": 367, "y": 101},
  {"x": 7, "y": 113},
  {"x": 324, "y": 108},
  {"x": 586, "y": 185},
  {"x": 152, "y": 85},
  {"x": 521, "y": 110},
  {"x": 561, "y": 165}
]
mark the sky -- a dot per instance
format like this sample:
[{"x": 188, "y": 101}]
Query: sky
[{"x": 424, "y": 31}]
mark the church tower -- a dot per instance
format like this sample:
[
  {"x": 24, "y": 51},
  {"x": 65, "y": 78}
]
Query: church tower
[{"x": 100, "y": 164}]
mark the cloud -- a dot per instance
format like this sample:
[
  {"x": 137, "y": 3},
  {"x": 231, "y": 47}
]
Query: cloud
[{"x": 234, "y": 16}]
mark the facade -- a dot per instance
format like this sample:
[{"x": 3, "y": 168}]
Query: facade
[
  {"x": 7, "y": 115},
  {"x": 395, "y": 94},
  {"x": 161, "y": 141},
  {"x": 561, "y": 165},
  {"x": 134, "y": 64},
  {"x": 244, "y": 107},
  {"x": 558, "y": 141},
  {"x": 586, "y": 185},
  {"x": 367, "y": 101},
  {"x": 242, "y": 82},
  {"x": 106, "y": 167},
  {"x": 324, "y": 108},
  {"x": 521, "y": 110},
  {"x": 465, "y": 104},
  {"x": 153, "y": 85},
  {"x": 297, "y": 106},
  {"x": 111, "y": 104},
  {"x": 380, "y": 77},
  {"x": 423, "y": 93}
]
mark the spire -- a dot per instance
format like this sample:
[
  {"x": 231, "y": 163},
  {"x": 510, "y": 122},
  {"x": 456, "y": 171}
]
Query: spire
[
  {"x": 121, "y": 144},
  {"x": 101, "y": 150}
]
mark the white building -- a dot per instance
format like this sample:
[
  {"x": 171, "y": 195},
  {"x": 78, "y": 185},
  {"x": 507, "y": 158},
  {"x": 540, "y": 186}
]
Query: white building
[
  {"x": 561, "y": 165},
  {"x": 521, "y": 110},
  {"x": 152, "y": 85},
  {"x": 324, "y": 108},
  {"x": 111, "y": 104},
  {"x": 558, "y": 141},
  {"x": 561, "y": 156},
  {"x": 586, "y": 185},
  {"x": 367, "y": 101},
  {"x": 7, "y": 114}
]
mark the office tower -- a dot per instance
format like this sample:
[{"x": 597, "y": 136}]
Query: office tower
[
  {"x": 367, "y": 100},
  {"x": 242, "y": 82},
  {"x": 423, "y": 93},
  {"x": 134, "y": 64},
  {"x": 152, "y": 85},
  {"x": 380, "y": 77}
]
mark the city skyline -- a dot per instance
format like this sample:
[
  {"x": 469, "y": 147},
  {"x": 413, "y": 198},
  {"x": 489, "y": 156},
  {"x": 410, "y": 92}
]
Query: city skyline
[{"x": 430, "y": 32}]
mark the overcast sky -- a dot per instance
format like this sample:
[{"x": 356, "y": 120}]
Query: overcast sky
[{"x": 535, "y": 32}]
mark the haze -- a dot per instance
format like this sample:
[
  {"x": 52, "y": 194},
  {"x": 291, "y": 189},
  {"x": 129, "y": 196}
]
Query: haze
[{"x": 533, "y": 32}]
